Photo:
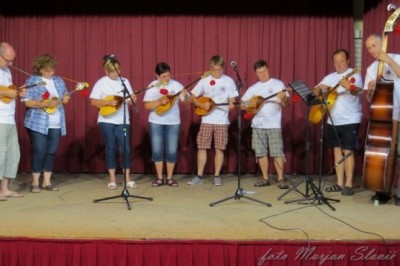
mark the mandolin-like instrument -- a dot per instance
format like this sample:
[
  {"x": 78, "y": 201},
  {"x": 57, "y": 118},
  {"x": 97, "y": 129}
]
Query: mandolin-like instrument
[
  {"x": 380, "y": 144},
  {"x": 13, "y": 87},
  {"x": 256, "y": 103},
  {"x": 201, "y": 111},
  {"x": 161, "y": 109},
  {"x": 79, "y": 86},
  {"x": 109, "y": 110},
  {"x": 318, "y": 111}
]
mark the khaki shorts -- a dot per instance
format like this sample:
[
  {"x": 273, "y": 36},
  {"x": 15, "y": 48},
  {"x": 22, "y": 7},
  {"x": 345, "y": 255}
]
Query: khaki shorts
[
  {"x": 267, "y": 142},
  {"x": 9, "y": 151}
]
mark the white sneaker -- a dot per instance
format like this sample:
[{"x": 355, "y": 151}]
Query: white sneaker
[
  {"x": 195, "y": 181},
  {"x": 217, "y": 181}
]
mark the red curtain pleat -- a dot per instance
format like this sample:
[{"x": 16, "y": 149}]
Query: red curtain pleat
[{"x": 32, "y": 252}]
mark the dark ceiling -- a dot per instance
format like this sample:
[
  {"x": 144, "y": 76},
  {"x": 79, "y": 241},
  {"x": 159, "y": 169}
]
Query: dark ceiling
[{"x": 177, "y": 7}]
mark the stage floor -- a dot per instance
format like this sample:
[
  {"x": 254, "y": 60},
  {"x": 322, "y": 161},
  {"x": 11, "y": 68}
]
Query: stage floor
[{"x": 184, "y": 212}]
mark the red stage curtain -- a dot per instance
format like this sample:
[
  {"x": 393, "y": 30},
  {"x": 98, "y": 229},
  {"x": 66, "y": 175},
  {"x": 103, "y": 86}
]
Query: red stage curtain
[
  {"x": 296, "y": 47},
  {"x": 48, "y": 252}
]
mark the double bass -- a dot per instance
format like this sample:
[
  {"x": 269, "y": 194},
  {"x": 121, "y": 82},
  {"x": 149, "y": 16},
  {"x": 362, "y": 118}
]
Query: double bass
[{"x": 380, "y": 145}]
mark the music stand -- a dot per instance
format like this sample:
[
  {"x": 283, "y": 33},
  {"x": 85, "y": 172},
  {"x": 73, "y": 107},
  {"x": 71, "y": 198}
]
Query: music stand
[
  {"x": 124, "y": 193},
  {"x": 310, "y": 99}
]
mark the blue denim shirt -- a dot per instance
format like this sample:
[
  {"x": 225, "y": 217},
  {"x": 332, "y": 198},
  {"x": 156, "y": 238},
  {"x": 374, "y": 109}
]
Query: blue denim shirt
[{"x": 37, "y": 119}]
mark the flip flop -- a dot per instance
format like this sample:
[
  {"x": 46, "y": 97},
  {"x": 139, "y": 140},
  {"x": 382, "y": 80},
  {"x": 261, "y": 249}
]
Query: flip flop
[
  {"x": 262, "y": 183},
  {"x": 112, "y": 185},
  {"x": 13, "y": 194},
  {"x": 2, "y": 198},
  {"x": 131, "y": 184}
]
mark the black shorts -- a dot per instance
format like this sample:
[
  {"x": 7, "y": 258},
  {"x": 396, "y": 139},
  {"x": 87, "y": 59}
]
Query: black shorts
[{"x": 346, "y": 134}]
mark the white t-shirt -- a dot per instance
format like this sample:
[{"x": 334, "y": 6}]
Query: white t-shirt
[
  {"x": 105, "y": 87},
  {"x": 388, "y": 74},
  {"x": 220, "y": 91},
  {"x": 270, "y": 114},
  {"x": 7, "y": 110},
  {"x": 170, "y": 117},
  {"x": 54, "y": 118},
  {"x": 347, "y": 107}
]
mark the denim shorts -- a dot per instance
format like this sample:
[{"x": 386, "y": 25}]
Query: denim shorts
[{"x": 164, "y": 142}]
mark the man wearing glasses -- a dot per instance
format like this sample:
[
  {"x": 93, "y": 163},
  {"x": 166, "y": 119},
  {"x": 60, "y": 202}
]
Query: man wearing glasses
[
  {"x": 221, "y": 89},
  {"x": 9, "y": 146}
]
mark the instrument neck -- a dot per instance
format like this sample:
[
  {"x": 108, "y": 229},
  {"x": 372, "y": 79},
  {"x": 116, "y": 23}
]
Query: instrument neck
[{"x": 384, "y": 49}]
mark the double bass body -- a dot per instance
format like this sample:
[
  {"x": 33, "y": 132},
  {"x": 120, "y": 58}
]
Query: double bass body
[{"x": 380, "y": 144}]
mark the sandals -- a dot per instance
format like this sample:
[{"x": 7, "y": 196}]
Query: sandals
[
  {"x": 262, "y": 183},
  {"x": 36, "y": 189},
  {"x": 172, "y": 183},
  {"x": 282, "y": 184},
  {"x": 334, "y": 188},
  {"x": 112, "y": 185},
  {"x": 14, "y": 194},
  {"x": 347, "y": 191},
  {"x": 131, "y": 184},
  {"x": 157, "y": 183},
  {"x": 51, "y": 187}
]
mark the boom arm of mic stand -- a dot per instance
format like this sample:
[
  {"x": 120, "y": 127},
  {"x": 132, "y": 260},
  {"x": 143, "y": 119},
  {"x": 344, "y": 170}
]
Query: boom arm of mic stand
[
  {"x": 125, "y": 90},
  {"x": 239, "y": 80}
]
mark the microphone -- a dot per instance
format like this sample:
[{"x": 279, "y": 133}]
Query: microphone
[
  {"x": 234, "y": 64},
  {"x": 111, "y": 57},
  {"x": 344, "y": 158},
  {"x": 391, "y": 7}
]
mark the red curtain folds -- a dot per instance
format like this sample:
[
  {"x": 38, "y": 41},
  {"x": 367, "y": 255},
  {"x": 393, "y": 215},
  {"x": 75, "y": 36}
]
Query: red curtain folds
[
  {"x": 164, "y": 252},
  {"x": 296, "y": 47}
]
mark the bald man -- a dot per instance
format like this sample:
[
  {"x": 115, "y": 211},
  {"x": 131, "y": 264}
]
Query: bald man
[
  {"x": 9, "y": 146},
  {"x": 391, "y": 71}
]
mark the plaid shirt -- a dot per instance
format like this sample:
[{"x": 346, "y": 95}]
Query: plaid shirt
[{"x": 37, "y": 119}]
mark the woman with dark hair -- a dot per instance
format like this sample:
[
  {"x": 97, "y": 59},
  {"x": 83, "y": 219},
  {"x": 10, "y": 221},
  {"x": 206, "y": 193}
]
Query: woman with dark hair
[{"x": 164, "y": 121}]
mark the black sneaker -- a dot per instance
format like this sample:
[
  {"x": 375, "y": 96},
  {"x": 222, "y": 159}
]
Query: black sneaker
[{"x": 382, "y": 197}]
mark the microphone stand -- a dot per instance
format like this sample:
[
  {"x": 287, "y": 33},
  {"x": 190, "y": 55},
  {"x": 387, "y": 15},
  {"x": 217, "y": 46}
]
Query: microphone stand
[
  {"x": 239, "y": 191},
  {"x": 125, "y": 192}
]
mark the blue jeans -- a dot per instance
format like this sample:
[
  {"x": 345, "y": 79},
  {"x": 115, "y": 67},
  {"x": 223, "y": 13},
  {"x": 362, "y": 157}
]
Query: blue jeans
[
  {"x": 44, "y": 148},
  {"x": 112, "y": 134},
  {"x": 164, "y": 139}
]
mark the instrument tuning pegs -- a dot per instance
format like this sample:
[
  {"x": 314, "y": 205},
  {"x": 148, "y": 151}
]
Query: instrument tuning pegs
[{"x": 391, "y": 7}]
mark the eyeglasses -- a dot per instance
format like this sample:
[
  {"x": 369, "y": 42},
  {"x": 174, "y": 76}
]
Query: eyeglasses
[
  {"x": 8, "y": 61},
  {"x": 217, "y": 69}
]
